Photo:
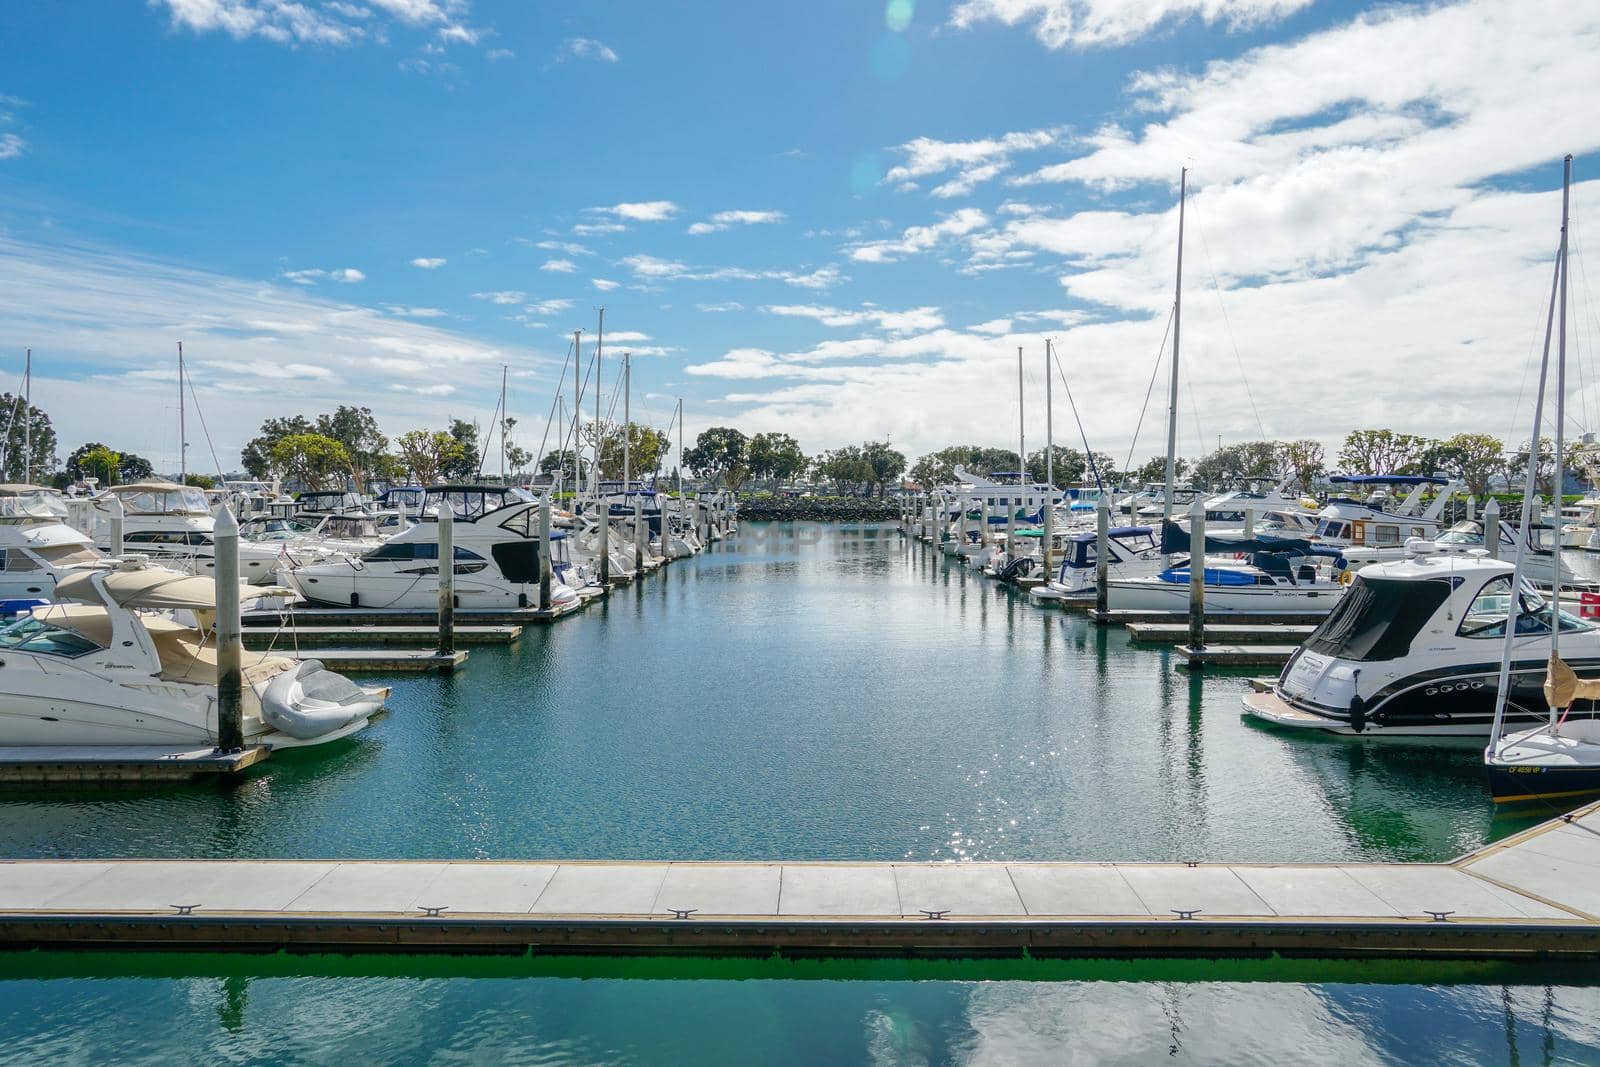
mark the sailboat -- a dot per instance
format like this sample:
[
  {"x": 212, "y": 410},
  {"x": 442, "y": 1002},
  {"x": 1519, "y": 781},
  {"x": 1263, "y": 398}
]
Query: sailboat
[{"x": 1561, "y": 756}]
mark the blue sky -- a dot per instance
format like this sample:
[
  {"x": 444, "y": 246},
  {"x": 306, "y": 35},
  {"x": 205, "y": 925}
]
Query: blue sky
[{"x": 834, "y": 219}]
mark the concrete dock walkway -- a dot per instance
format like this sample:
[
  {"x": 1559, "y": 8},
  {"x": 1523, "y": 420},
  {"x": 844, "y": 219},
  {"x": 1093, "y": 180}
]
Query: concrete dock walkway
[{"x": 1534, "y": 894}]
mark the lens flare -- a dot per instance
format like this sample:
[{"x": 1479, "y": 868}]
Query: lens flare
[
  {"x": 865, "y": 173},
  {"x": 891, "y": 57},
  {"x": 897, "y": 15}
]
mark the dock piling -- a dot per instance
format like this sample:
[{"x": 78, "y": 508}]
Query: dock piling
[
  {"x": 447, "y": 579},
  {"x": 641, "y": 537},
  {"x": 1491, "y": 528},
  {"x": 230, "y": 640},
  {"x": 1197, "y": 575},
  {"x": 1249, "y": 522},
  {"x": 114, "y": 540},
  {"x": 1102, "y": 566},
  {"x": 605, "y": 543},
  {"x": 544, "y": 551}
]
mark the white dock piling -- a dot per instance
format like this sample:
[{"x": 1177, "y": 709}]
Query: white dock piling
[
  {"x": 114, "y": 541},
  {"x": 1011, "y": 534},
  {"x": 1249, "y": 522},
  {"x": 1491, "y": 528},
  {"x": 641, "y": 536},
  {"x": 605, "y": 543},
  {"x": 230, "y": 642},
  {"x": 447, "y": 579},
  {"x": 544, "y": 551},
  {"x": 1197, "y": 574},
  {"x": 1102, "y": 564}
]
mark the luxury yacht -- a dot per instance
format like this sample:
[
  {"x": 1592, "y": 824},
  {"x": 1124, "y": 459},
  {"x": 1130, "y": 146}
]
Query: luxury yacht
[
  {"x": 496, "y": 530},
  {"x": 110, "y": 665},
  {"x": 1419, "y": 641},
  {"x": 1377, "y": 524},
  {"x": 40, "y": 548}
]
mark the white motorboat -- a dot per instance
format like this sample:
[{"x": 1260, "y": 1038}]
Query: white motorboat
[
  {"x": 1131, "y": 552},
  {"x": 1378, "y": 524},
  {"x": 39, "y": 547},
  {"x": 1248, "y": 576},
  {"x": 1274, "y": 507},
  {"x": 497, "y": 552},
  {"x": 110, "y": 665},
  {"x": 1418, "y": 641}
]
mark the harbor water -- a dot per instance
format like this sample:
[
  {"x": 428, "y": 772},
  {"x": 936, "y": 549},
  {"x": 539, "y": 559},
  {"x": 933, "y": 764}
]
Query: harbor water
[{"x": 799, "y": 692}]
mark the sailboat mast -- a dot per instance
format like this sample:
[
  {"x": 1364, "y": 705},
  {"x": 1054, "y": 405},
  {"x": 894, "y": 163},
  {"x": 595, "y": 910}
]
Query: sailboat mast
[
  {"x": 1561, "y": 414},
  {"x": 1049, "y": 466},
  {"x": 183, "y": 434},
  {"x": 577, "y": 408},
  {"x": 503, "y": 371},
  {"x": 1177, "y": 333},
  {"x": 27, "y": 418},
  {"x": 1022, "y": 443},
  {"x": 680, "y": 446},
  {"x": 599, "y": 430},
  {"x": 627, "y": 419}
]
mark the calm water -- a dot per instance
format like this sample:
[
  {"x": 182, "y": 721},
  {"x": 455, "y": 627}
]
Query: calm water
[{"x": 799, "y": 692}]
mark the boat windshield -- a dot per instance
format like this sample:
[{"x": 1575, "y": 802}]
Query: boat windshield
[
  {"x": 1486, "y": 615},
  {"x": 185, "y": 500},
  {"x": 1378, "y": 617},
  {"x": 273, "y": 528},
  {"x": 33, "y": 504},
  {"x": 29, "y": 634}
]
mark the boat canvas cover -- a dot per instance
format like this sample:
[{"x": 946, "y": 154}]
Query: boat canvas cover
[
  {"x": 1378, "y": 617},
  {"x": 1175, "y": 539},
  {"x": 154, "y": 588},
  {"x": 186, "y": 656}
]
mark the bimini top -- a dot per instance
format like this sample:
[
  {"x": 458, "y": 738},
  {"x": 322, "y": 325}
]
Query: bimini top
[
  {"x": 161, "y": 498},
  {"x": 151, "y": 587},
  {"x": 1388, "y": 479},
  {"x": 1115, "y": 531}
]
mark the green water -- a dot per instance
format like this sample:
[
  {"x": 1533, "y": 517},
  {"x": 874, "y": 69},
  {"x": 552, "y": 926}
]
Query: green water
[{"x": 798, "y": 692}]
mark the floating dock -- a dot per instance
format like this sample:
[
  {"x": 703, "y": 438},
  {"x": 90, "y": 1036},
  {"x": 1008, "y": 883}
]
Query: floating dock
[
  {"x": 380, "y": 660},
  {"x": 1171, "y": 633},
  {"x": 65, "y": 764},
  {"x": 353, "y": 617},
  {"x": 261, "y": 638},
  {"x": 1221, "y": 618},
  {"x": 1221, "y": 655},
  {"x": 1534, "y": 894}
]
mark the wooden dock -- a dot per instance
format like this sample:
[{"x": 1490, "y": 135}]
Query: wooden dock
[
  {"x": 1220, "y": 655},
  {"x": 259, "y": 638},
  {"x": 1122, "y": 618},
  {"x": 380, "y": 660},
  {"x": 65, "y": 764},
  {"x": 1172, "y": 633},
  {"x": 1533, "y": 895},
  {"x": 352, "y": 617}
]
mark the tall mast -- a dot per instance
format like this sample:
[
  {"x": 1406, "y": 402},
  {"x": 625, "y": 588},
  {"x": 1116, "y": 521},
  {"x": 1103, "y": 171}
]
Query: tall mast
[
  {"x": 1561, "y": 415},
  {"x": 27, "y": 418},
  {"x": 680, "y": 446},
  {"x": 1177, "y": 332},
  {"x": 183, "y": 435},
  {"x": 577, "y": 409},
  {"x": 599, "y": 428},
  {"x": 1049, "y": 465},
  {"x": 627, "y": 419},
  {"x": 1022, "y": 441},
  {"x": 503, "y": 371}
]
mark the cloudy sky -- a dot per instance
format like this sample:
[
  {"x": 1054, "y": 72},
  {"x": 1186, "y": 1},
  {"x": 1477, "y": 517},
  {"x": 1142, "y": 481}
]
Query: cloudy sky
[{"x": 837, "y": 219}]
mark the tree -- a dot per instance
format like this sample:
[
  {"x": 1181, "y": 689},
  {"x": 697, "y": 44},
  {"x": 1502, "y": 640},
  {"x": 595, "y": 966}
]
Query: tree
[
  {"x": 939, "y": 468},
  {"x": 1303, "y": 459},
  {"x": 846, "y": 468},
  {"x": 256, "y": 455},
  {"x": 310, "y": 460},
  {"x": 1069, "y": 466},
  {"x": 127, "y": 467},
  {"x": 645, "y": 448},
  {"x": 720, "y": 454},
  {"x": 557, "y": 464},
  {"x": 1544, "y": 476},
  {"x": 460, "y": 463},
  {"x": 1381, "y": 452},
  {"x": 1235, "y": 463},
  {"x": 884, "y": 464},
  {"x": 428, "y": 454},
  {"x": 775, "y": 457},
  {"x": 1155, "y": 470},
  {"x": 94, "y": 461},
  {"x": 200, "y": 481},
  {"x": 38, "y": 459},
  {"x": 1474, "y": 458},
  {"x": 356, "y": 429}
]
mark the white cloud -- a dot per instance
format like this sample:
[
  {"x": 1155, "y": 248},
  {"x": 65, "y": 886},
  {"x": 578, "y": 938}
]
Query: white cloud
[
  {"x": 623, "y": 336},
  {"x": 654, "y": 268},
  {"x": 499, "y": 53},
  {"x": 587, "y": 229},
  {"x": 11, "y": 146},
  {"x": 428, "y": 262},
  {"x": 605, "y": 285},
  {"x": 312, "y": 276},
  {"x": 730, "y": 305},
  {"x": 571, "y": 248},
  {"x": 548, "y": 307},
  {"x": 274, "y": 371},
  {"x": 502, "y": 296},
  {"x": 974, "y": 162},
  {"x": 724, "y": 219},
  {"x": 640, "y": 211},
  {"x": 1091, "y": 23},
  {"x": 920, "y": 238},
  {"x": 437, "y": 389},
  {"x": 559, "y": 266},
  {"x": 585, "y": 48},
  {"x": 923, "y": 318},
  {"x": 416, "y": 312},
  {"x": 294, "y": 22}
]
